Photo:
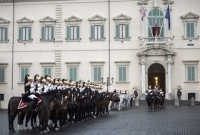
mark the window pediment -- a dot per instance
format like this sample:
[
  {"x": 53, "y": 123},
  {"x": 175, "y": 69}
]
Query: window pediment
[
  {"x": 25, "y": 20},
  {"x": 47, "y": 19},
  {"x": 3, "y": 20},
  {"x": 122, "y": 17},
  {"x": 97, "y": 18},
  {"x": 190, "y": 17},
  {"x": 72, "y": 19}
]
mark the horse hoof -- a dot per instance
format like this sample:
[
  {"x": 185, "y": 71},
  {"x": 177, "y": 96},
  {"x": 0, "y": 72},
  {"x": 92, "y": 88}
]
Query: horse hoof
[
  {"x": 45, "y": 131},
  {"x": 41, "y": 132},
  {"x": 12, "y": 131},
  {"x": 56, "y": 129}
]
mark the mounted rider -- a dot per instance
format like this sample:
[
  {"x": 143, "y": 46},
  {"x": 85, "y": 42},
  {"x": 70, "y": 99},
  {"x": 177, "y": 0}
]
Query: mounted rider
[
  {"x": 30, "y": 92},
  {"x": 149, "y": 92}
]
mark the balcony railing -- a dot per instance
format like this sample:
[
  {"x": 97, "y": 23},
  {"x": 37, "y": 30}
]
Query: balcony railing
[{"x": 152, "y": 40}]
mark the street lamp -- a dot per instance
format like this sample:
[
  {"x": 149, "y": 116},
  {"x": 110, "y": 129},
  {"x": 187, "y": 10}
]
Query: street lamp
[{"x": 108, "y": 83}]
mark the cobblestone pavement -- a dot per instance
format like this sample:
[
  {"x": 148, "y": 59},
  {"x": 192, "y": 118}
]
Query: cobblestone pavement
[{"x": 171, "y": 120}]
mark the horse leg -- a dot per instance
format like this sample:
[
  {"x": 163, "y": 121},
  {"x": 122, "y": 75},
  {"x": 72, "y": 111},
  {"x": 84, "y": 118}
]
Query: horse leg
[{"x": 28, "y": 116}]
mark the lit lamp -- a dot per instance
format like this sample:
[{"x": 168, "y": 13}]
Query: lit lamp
[
  {"x": 108, "y": 83},
  {"x": 156, "y": 80}
]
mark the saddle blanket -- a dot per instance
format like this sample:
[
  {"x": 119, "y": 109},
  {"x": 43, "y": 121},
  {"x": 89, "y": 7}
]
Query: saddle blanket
[{"x": 23, "y": 104}]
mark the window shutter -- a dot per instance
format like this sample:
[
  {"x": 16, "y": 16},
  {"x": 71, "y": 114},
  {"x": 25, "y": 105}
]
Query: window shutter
[
  {"x": 127, "y": 30},
  {"x": 22, "y": 75},
  {"x": 92, "y": 32},
  {"x": 102, "y": 31},
  {"x": 193, "y": 74},
  {"x": 68, "y": 32},
  {"x": 2, "y": 74},
  {"x": 192, "y": 29},
  {"x": 117, "y": 31},
  {"x": 6, "y": 34},
  {"x": 75, "y": 74},
  {"x": 99, "y": 74},
  {"x": 78, "y": 32},
  {"x": 71, "y": 73},
  {"x": 45, "y": 71},
  {"x": 95, "y": 73},
  {"x": 42, "y": 33},
  {"x": 20, "y": 33},
  {"x": 49, "y": 71},
  {"x": 188, "y": 29},
  {"x": 120, "y": 73},
  {"x": 189, "y": 74},
  {"x": 29, "y": 38},
  {"x": 52, "y": 32},
  {"x": 124, "y": 73}
]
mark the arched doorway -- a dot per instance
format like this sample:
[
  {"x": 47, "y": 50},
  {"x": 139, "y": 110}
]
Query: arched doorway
[{"x": 156, "y": 76}]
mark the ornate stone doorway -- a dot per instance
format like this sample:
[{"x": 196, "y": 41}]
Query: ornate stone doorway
[{"x": 156, "y": 76}]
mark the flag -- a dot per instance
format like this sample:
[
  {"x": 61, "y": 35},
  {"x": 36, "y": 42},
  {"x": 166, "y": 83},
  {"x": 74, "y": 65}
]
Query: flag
[
  {"x": 143, "y": 13},
  {"x": 167, "y": 16}
]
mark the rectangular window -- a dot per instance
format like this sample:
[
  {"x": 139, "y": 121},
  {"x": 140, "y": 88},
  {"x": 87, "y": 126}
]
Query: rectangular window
[
  {"x": 73, "y": 34},
  {"x": 3, "y": 33},
  {"x": 2, "y": 75},
  {"x": 190, "y": 29},
  {"x": 73, "y": 73},
  {"x": 122, "y": 73},
  {"x": 191, "y": 73},
  {"x": 25, "y": 33},
  {"x": 97, "y": 32},
  {"x": 47, "y": 32},
  {"x": 23, "y": 72},
  {"x": 97, "y": 74},
  {"x": 122, "y": 31},
  {"x": 1, "y": 97},
  {"x": 47, "y": 70}
]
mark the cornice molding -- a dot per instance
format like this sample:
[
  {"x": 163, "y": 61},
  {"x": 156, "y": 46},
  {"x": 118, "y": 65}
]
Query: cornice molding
[
  {"x": 72, "y": 19},
  {"x": 122, "y": 17},
  {"x": 97, "y": 18},
  {"x": 47, "y": 19},
  {"x": 3, "y": 20},
  {"x": 25, "y": 20}
]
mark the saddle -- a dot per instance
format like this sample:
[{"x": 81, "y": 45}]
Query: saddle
[
  {"x": 117, "y": 99},
  {"x": 23, "y": 104}
]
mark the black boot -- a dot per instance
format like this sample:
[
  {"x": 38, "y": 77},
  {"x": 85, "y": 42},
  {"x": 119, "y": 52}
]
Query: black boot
[{"x": 35, "y": 104}]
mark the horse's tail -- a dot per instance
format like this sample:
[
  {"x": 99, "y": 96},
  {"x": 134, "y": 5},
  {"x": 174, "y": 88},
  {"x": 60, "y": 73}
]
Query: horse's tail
[{"x": 9, "y": 107}]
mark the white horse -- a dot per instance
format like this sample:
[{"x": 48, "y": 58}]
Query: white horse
[{"x": 123, "y": 100}]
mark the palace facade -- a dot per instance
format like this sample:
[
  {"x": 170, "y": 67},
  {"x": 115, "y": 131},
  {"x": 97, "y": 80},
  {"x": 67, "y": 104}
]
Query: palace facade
[{"x": 133, "y": 41}]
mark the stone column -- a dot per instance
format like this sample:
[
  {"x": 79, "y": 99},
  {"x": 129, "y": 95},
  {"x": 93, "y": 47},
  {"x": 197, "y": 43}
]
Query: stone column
[
  {"x": 143, "y": 76},
  {"x": 169, "y": 62}
]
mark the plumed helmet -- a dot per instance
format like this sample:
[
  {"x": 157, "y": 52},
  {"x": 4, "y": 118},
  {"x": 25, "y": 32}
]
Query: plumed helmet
[
  {"x": 44, "y": 81},
  {"x": 35, "y": 77},
  {"x": 30, "y": 78},
  {"x": 91, "y": 85},
  {"x": 57, "y": 82},
  {"x": 60, "y": 82},
  {"x": 26, "y": 78},
  {"x": 48, "y": 79}
]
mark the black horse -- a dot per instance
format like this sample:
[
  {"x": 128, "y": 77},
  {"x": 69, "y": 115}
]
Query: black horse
[{"x": 42, "y": 109}]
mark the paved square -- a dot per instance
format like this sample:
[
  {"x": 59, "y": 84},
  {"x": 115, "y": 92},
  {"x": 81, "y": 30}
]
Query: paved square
[{"x": 171, "y": 120}]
